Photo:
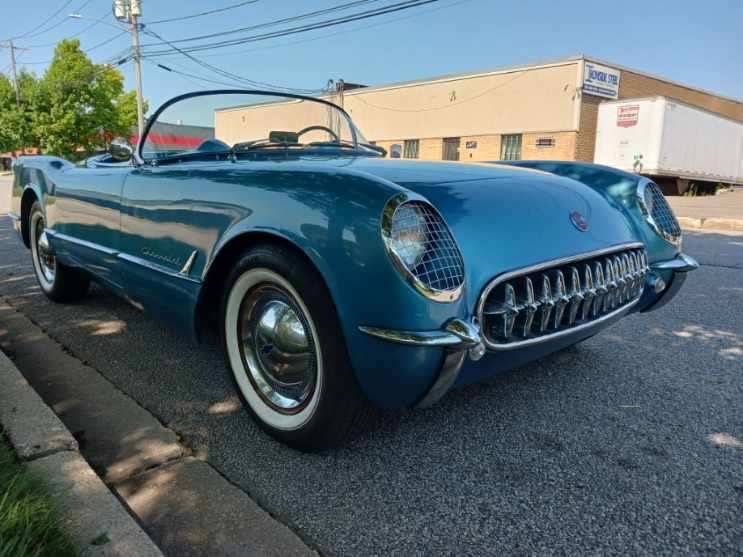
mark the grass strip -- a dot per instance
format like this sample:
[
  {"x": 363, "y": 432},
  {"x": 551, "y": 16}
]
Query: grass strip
[{"x": 29, "y": 522}]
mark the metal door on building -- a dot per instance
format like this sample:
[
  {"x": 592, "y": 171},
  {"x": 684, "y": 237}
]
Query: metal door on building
[{"x": 450, "y": 151}]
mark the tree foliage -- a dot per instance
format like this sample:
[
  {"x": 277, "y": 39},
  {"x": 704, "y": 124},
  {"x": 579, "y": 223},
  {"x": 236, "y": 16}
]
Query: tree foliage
[{"x": 73, "y": 109}]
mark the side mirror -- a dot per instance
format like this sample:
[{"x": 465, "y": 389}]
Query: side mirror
[{"x": 120, "y": 150}]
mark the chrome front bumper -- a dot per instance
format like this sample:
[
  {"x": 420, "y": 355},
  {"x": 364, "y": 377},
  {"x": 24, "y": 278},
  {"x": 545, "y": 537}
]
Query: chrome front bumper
[
  {"x": 460, "y": 338},
  {"x": 667, "y": 288}
]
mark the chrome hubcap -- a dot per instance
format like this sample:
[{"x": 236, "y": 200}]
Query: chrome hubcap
[
  {"x": 47, "y": 262},
  {"x": 277, "y": 348}
]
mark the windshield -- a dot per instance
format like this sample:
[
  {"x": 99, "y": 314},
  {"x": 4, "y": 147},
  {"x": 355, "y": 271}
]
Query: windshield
[{"x": 236, "y": 122}]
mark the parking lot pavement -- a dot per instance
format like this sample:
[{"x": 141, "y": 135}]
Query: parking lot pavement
[{"x": 632, "y": 442}]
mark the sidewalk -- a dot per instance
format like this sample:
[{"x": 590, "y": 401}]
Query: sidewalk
[
  {"x": 92, "y": 516},
  {"x": 184, "y": 504},
  {"x": 714, "y": 212}
]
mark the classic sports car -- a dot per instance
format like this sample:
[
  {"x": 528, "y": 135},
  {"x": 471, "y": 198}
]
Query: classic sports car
[{"x": 338, "y": 277}]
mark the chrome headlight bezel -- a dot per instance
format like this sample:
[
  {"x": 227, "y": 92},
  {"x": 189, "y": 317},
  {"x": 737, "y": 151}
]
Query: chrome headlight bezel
[
  {"x": 647, "y": 213},
  {"x": 389, "y": 212}
]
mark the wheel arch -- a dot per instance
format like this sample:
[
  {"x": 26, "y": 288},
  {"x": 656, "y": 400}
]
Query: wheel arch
[
  {"x": 28, "y": 199},
  {"x": 216, "y": 274}
]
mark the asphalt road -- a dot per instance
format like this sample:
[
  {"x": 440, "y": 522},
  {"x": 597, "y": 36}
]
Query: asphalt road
[{"x": 630, "y": 443}]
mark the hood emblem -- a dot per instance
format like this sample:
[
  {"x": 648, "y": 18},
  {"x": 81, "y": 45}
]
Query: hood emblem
[{"x": 579, "y": 221}]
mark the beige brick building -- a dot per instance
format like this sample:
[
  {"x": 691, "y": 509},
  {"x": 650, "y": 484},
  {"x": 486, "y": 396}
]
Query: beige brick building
[{"x": 540, "y": 111}]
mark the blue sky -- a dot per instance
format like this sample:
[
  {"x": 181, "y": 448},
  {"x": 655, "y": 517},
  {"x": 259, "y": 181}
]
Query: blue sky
[{"x": 696, "y": 43}]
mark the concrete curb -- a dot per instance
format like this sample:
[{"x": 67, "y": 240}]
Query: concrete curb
[
  {"x": 710, "y": 223},
  {"x": 94, "y": 518}
]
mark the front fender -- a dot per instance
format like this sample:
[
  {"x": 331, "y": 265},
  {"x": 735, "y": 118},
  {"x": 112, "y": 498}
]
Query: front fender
[{"x": 334, "y": 219}]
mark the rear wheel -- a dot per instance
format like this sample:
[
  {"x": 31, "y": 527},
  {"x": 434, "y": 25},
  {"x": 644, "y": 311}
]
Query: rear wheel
[
  {"x": 288, "y": 358},
  {"x": 59, "y": 282}
]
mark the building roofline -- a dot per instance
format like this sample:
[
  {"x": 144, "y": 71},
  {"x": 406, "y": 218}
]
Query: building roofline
[
  {"x": 466, "y": 75},
  {"x": 533, "y": 66},
  {"x": 661, "y": 78}
]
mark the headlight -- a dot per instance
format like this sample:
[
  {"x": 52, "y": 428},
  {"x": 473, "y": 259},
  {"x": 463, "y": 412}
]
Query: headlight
[
  {"x": 408, "y": 234},
  {"x": 658, "y": 213},
  {"x": 422, "y": 248}
]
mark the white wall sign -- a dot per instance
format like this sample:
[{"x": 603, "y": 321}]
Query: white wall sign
[{"x": 601, "y": 81}]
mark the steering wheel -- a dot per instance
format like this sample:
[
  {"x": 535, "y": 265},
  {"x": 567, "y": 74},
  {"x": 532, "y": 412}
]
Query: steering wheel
[{"x": 301, "y": 132}]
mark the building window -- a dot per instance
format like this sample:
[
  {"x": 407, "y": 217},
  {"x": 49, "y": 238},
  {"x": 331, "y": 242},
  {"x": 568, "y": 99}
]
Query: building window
[
  {"x": 410, "y": 148},
  {"x": 450, "y": 150},
  {"x": 510, "y": 147},
  {"x": 545, "y": 142}
]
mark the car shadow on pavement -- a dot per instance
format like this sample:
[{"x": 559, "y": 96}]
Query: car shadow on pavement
[{"x": 633, "y": 431}]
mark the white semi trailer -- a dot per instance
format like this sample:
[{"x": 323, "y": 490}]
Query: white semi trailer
[{"x": 672, "y": 142}]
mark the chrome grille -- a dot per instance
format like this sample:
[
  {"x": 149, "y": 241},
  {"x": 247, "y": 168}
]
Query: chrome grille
[
  {"x": 440, "y": 267},
  {"x": 661, "y": 213},
  {"x": 525, "y": 306}
]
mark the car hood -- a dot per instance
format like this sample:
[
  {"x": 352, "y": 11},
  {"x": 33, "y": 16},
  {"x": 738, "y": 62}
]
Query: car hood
[{"x": 506, "y": 218}]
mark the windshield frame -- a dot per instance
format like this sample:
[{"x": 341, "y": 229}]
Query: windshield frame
[{"x": 139, "y": 158}]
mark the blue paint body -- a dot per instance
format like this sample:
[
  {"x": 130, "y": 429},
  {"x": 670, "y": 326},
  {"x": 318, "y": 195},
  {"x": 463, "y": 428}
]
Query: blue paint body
[{"x": 134, "y": 227}]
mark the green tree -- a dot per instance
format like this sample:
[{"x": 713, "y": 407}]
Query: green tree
[
  {"x": 16, "y": 122},
  {"x": 78, "y": 105}
]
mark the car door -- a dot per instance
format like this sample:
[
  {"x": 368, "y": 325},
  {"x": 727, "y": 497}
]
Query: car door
[
  {"x": 84, "y": 214},
  {"x": 157, "y": 241}
]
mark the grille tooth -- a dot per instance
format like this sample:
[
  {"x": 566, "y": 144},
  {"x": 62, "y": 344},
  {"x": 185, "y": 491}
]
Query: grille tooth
[
  {"x": 503, "y": 314},
  {"x": 568, "y": 296},
  {"x": 530, "y": 307},
  {"x": 576, "y": 297},
  {"x": 589, "y": 293},
  {"x": 626, "y": 278},
  {"x": 601, "y": 291},
  {"x": 546, "y": 304},
  {"x": 560, "y": 298},
  {"x": 509, "y": 317},
  {"x": 611, "y": 285}
]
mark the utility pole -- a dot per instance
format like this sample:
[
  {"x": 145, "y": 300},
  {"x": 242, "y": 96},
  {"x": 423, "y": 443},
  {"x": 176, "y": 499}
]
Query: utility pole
[
  {"x": 10, "y": 46},
  {"x": 135, "y": 10},
  {"x": 130, "y": 10}
]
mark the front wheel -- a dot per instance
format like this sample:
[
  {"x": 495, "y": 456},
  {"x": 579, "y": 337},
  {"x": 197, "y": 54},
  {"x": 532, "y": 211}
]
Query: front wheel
[
  {"x": 283, "y": 343},
  {"x": 59, "y": 282}
]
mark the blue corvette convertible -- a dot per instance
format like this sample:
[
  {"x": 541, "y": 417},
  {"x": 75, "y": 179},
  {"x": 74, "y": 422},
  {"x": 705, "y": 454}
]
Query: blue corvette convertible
[{"x": 336, "y": 277}]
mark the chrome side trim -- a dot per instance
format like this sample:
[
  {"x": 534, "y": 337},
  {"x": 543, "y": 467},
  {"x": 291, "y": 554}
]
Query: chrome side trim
[
  {"x": 123, "y": 256},
  {"x": 682, "y": 263},
  {"x": 545, "y": 316},
  {"x": 155, "y": 267},
  {"x": 189, "y": 263},
  {"x": 83, "y": 243}
]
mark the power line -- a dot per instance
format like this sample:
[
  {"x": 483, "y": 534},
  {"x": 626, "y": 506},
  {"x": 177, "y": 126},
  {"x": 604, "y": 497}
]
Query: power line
[
  {"x": 328, "y": 35},
  {"x": 220, "y": 71},
  {"x": 43, "y": 23},
  {"x": 201, "y": 14},
  {"x": 81, "y": 32},
  {"x": 275, "y": 22},
  {"x": 303, "y": 29},
  {"x": 85, "y": 51}
]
